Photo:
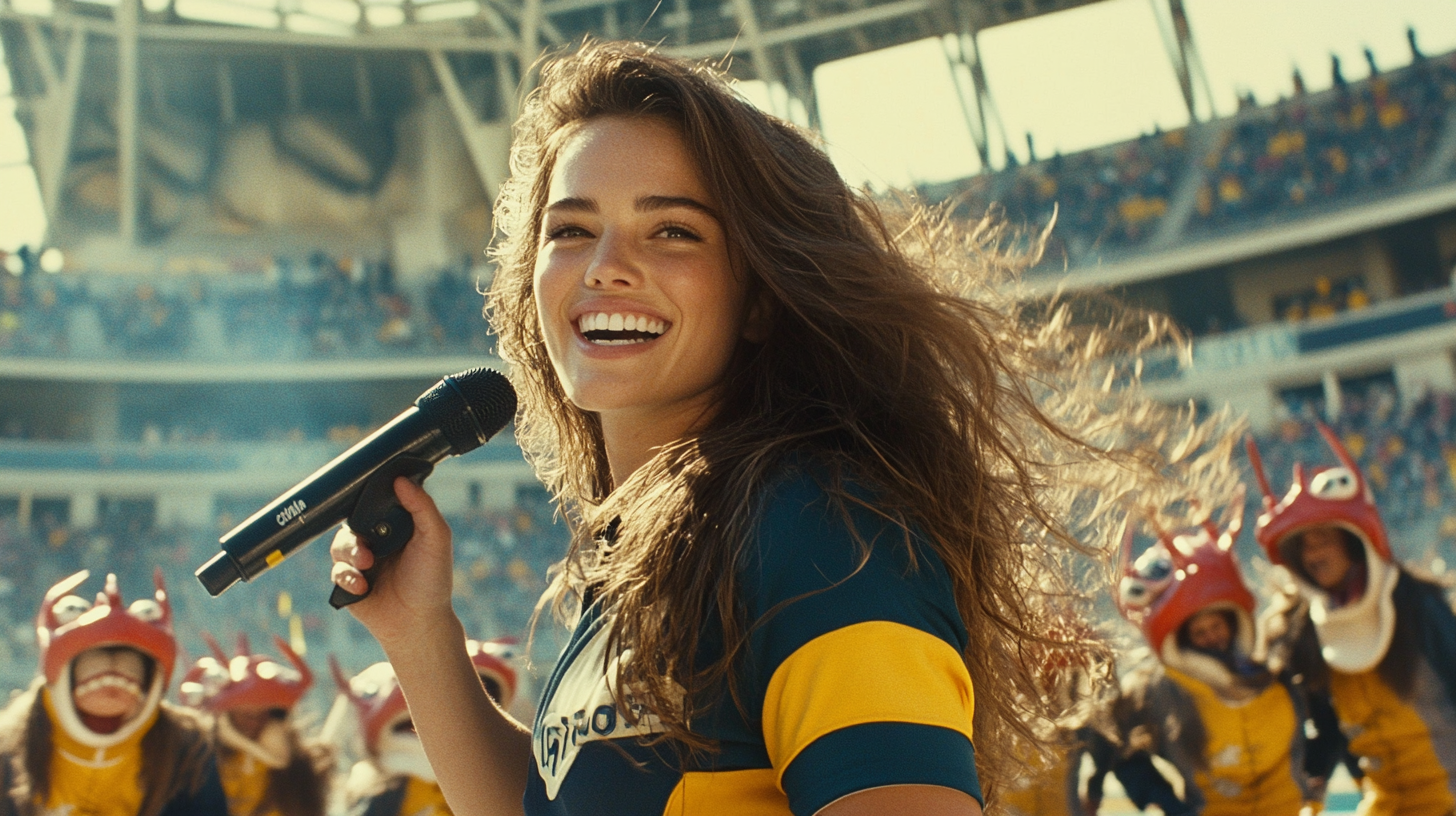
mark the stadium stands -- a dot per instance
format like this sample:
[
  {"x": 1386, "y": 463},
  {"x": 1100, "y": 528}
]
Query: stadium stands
[
  {"x": 1357, "y": 141},
  {"x": 1354, "y": 139},
  {"x": 321, "y": 308}
]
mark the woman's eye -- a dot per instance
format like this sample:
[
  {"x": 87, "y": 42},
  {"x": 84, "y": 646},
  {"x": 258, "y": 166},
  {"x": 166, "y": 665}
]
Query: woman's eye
[
  {"x": 566, "y": 231},
  {"x": 672, "y": 231}
]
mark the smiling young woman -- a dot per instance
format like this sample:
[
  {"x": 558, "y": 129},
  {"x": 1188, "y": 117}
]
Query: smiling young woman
[{"x": 818, "y": 475}]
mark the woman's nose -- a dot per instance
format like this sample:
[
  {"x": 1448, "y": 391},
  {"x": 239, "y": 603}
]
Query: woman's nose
[{"x": 613, "y": 263}]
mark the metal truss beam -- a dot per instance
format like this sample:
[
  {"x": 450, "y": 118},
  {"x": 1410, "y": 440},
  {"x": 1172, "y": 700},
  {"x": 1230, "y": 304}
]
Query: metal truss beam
[
  {"x": 804, "y": 30},
  {"x": 963, "y": 52},
  {"x": 411, "y": 38},
  {"x": 40, "y": 51}
]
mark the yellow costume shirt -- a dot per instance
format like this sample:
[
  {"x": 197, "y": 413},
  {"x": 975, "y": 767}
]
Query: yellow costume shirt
[
  {"x": 1249, "y": 750},
  {"x": 245, "y": 780},
  {"x": 1403, "y": 774},
  {"x": 90, "y": 781},
  {"x": 423, "y": 798}
]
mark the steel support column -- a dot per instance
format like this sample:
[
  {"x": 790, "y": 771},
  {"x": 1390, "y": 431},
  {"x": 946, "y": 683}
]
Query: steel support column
[
  {"x": 1187, "y": 64},
  {"x": 530, "y": 40},
  {"x": 801, "y": 84},
  {"x": 963, "y": 54},
  {"x": 486, "y": 165},
  {"x": 59, "y": 125},
  {"x": 753, "y": 37},
  {"x": 126, "y": 116}
]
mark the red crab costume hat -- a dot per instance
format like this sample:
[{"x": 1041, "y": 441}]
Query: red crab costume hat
[
  {"x": 493, "y": 659},
  {"x": 383, "y": 719},
  {"x": 1325, "y": 496},
  {"x": 219, "y": 683},
  {"x": 378, "y": 701},
  {"x": 1180, "y": 576},
  {"x": 68, "y": 625},
  {"x": 1353, "y": 636},
  {"x": 376, "y": 697},
  {"x": 247, "y": 680}
]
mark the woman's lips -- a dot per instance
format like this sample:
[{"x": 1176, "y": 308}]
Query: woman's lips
[{"x": 109, "y": 682}]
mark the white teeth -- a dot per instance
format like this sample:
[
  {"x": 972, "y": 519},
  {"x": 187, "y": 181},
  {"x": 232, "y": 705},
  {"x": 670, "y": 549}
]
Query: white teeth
[
  {"x": 108, "y": 680},
  {"x": 603, "y": 321}
]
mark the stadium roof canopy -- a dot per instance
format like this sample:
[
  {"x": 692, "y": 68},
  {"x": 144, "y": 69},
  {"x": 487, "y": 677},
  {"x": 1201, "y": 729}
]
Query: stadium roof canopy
[
  {"x": 135, "y": 111},
  {"x": 817, "y": 30}
]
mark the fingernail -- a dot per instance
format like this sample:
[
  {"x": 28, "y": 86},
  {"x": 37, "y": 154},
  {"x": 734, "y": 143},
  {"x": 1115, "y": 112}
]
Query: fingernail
[{"x": 354, "y": 552}]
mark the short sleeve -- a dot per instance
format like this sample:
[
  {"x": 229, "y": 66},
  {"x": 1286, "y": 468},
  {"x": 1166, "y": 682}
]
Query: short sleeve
[{"x": 856, "y": 660}]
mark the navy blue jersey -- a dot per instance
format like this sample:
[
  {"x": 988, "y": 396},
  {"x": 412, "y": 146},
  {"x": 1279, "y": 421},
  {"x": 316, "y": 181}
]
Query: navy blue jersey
[{"x": 853, "y": 680}]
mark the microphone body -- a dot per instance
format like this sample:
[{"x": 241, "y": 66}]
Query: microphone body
[{"x": 457, "y": 415}]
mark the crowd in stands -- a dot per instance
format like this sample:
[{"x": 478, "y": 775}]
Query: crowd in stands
[
  {"x": 1268, "y": 161},
  {"x": 1111, "y": 197},
  {"x": 1309, "y": 149},
  {"x": 1326, "y": 298},
  {"x": 319, "y": 307},
  {"x": 502, "y": 558}
]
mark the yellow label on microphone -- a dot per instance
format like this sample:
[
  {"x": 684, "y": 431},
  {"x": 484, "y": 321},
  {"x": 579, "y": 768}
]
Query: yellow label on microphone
[{"x": 274, "y": 558}]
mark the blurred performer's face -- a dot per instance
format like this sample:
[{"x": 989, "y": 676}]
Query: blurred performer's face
[
  {"x": 250, "y": 722},
  {"x": 106, "y": 682},
  {"x": 1323, "y": 557},
  {"x": 1209, "y": 631}
]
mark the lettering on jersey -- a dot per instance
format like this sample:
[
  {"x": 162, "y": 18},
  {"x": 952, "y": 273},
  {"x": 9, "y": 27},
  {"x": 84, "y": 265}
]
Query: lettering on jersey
[
  {"x": 583, "y": 709},
  {"x": 290, "y": 512}
]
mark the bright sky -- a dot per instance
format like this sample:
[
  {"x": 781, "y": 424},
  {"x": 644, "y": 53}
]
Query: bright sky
[{"x": 1073, "y": 80}]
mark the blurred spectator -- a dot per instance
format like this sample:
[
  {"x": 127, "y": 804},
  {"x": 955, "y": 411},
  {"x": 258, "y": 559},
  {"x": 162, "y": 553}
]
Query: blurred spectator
[{"x": 1326, "y": 298}]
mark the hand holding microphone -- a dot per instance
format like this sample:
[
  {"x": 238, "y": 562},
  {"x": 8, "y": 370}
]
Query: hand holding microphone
[{"x": 460, "y": 413}]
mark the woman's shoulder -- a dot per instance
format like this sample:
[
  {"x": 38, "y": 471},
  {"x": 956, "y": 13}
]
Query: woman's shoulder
[
  {"x": 822, "y": 544},
  {"x": 813, "y": 512}
]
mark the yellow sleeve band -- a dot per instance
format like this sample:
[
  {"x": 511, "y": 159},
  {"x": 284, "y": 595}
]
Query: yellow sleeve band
[{"x": 869, "y": 672}]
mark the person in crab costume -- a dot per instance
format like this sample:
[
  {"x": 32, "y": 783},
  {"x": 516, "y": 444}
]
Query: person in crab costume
[
  {"x": 1361, "y": 628},
  {"x": 395, "y": 778},
  {"x": 268, "y": 769},
  {"x": 92, "y": 736},
  {"x": 1051, "y": 781},
  {"x": 1234, "y": 731}
]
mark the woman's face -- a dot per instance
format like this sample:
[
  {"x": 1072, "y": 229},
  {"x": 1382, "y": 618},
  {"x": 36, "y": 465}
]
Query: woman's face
[
  {"x": 1209, "y": 630},
  {"x": 1323, "y": 556},
  {"x": 638, "y": 302}
]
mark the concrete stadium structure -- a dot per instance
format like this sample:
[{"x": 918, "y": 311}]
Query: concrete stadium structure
[{"x": 172, "y": 148}]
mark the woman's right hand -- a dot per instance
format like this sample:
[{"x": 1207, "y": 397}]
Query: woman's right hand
[{"x": 411, "y": 593}]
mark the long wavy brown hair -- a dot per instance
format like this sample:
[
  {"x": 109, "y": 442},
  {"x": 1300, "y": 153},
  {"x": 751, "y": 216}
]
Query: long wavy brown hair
[{"x": 899, "y": 358}]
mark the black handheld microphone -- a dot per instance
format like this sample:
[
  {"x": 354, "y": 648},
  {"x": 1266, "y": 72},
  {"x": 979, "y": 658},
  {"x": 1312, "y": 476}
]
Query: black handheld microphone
[{"x": 459, "y": 414}]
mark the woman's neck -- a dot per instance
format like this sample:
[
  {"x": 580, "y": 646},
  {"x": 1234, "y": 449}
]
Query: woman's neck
[{"x": 632, "y": 437}]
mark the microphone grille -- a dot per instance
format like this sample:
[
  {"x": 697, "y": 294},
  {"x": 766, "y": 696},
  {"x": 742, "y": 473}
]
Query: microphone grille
[{"x": 470, "y": 407}]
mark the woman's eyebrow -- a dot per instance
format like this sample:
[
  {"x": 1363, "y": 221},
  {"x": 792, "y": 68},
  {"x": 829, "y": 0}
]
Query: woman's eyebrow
[
  {"x": 656, "y": 202},
  {"x": 572, "y": 204}
]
